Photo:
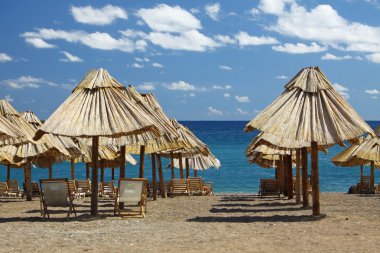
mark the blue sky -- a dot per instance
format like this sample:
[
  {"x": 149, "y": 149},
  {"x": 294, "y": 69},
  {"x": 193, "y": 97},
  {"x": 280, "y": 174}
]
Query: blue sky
[{"x": 216, "y": 60}]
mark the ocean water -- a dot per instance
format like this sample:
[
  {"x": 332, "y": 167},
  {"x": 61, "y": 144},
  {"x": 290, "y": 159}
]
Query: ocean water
[{"x": 227, "y": 141}]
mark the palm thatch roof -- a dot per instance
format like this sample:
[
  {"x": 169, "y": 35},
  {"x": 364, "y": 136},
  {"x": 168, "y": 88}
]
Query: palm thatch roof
[
  {"x": 199, "y": 162},
  {"x": 309, "y": 109},
  {"x": 31, "y": 118},
  {"x": 97, "y": 107},
  {"x": 9, "y": 131},
  {"x": 194, "y": 146},
  {"x": 169, "y": 140}
]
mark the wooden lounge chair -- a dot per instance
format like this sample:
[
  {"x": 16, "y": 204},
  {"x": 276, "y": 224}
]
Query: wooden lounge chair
[
  {"x": 108, "y": 189},
  {"x": 196, "y": 186},
  {"x": 208, "y": 187},
  {"x": 269, "y": 187},
  {"x": 179, "y": 187},
  {"x": 35, "y": 189},
  {"x": 84, "y": 186},
  {"x": 131, "y": 193},
  {"x": 74, "y": 193},
  {"x": 13, "y": 189},
  {"x": 56, "y": 193},
  {"x": 365, "y": 185},
  {"x": 4, "y": 189}
]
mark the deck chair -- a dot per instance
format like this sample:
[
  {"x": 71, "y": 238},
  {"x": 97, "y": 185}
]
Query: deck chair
[
  {"x": 35, "y": 189},
  {"x": 179, "y": 187},
  {"x": 208, "y": 187},
  {"x": 108, "y": 189},
  {"x": 84, "y": 186},
  {"x": 55, "y": 193},
  {"x": 74, "y": 193},
  {"x": 365, "y": 186},
  {"x": 196, "y": 186},
  {"x": 3, "y": 189},
  {"x": 130, "y": 192},
  {"x": 269, "y": 187},
  {"x": 13, "y": 189}
]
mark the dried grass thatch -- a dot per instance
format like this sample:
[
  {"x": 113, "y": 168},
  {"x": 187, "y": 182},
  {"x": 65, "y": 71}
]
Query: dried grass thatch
[
  {"x": 9, "y": 133},
  {"x": 310, "y": 109},
  {"x": 97, "y": 107},
  {"x": 199, "y": 162},
  {"x": 31, "y": 118}
]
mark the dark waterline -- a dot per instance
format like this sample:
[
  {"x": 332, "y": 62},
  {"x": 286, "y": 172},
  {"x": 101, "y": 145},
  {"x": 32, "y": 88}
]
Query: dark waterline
[{"x": 227, "y": 141}]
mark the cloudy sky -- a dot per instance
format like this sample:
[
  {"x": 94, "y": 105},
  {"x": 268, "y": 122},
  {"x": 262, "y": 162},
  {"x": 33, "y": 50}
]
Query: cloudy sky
[{"x": 217, "y": 60}]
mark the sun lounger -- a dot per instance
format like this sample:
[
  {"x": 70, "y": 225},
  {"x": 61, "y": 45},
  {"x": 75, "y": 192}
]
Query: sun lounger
[
  {"x": 74, "y": 193},
  {"x": 108, "y": 189},
  {"x": 4, "y": 189},
  {"x": 179, "y": 187},
  {"x": 84, "y": 186},
  {"x": 130, "y": 193},
  {"x": 365, "y": 185},
  {"x": 208, "y": 187},
  {"x": 269, "y": 187},
  {"x": 196, "y": 186},
  {"x": 35, "y": 189},
  {"x": 55, "y": 193},
  {"x": 13, "y": 188}
]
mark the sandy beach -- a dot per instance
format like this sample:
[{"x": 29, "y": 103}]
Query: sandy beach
[{"x": 222, "y": 223}]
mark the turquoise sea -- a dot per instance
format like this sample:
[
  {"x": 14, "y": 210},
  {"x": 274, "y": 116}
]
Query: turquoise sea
[{"x": 227, "y": 141}]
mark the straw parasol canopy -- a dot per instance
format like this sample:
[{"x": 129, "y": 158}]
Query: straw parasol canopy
[
  {"x": 199, "y": 162},
  {"x": 9, "y": 132},
  {"x": 31, "y": 118},
  {"x": 308, "y": 114},
  {"x": 97, "y": 108},
  {"x": 309, "y": 110}
]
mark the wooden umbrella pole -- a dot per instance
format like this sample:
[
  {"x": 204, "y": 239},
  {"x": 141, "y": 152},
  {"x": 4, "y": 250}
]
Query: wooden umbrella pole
[
  {"x": 361, "y": 175},
  {"x": 113, "y": 174},
  {"x": 72, "y": 169},
  {"x": 280, "y": 174},
  {"x": 298, "y": 172},
  {"x": 285, "y": 175},
  {"x": 180, "y": 166},
  {"x": 187, "y": 167},
  {"x": 8, "y": 171},
  {"x": 154, "y": 177},
  {"x": 290, "y": 176},
  {"x": 172, "y": 164},
  {"x": 142, "y": 159},
  {"x": 102, "y": 172},
  {"x": 87, "y": 170},
  {"x": 315, "y": 178},
  {"x": 372, "y": 174},
  {"x": 161, "y": 176},
  {"x": 305, "y": 192},
  {"x": 94, "y": 181},
  {"x": 28, "y": 174},
  {"x": 195, "y": 173},
  {"x": 122, "y": 165},
  {"x": 50, "y": 171}
]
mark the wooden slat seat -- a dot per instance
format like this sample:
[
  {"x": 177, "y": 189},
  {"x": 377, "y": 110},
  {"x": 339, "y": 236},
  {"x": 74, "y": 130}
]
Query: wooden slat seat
[
  {"x": 269, "y": 187},
  {"x": 3, "y": 189},
  {"x": 196, "y": 186},
  {"x": 13, "y": 188},
  {"x": 179, "y": 187},
  {"x": 365, "y": 185},
  {"x": 84, "y": 186},
  {"x": 108, "y": 189}
]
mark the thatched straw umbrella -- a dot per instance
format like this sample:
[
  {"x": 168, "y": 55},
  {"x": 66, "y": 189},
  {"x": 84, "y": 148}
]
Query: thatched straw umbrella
[
  {"x": 198, "y": 162},
  {"x": 97, "y": 108},
  {"x": 9, "y": 132},
  {"x": 63, "y": 142},
  {"x": 310, "y": 113}
]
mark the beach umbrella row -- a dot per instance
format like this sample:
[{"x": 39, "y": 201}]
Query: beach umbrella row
[{"x": 310, "y": 113}]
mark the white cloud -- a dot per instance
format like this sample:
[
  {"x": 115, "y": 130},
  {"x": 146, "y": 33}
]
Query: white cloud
[
  {"x": 70, "y": 57},
  {"x": 329, "y": 56},
  {"x": 244, "y": 39},
  {"x": 146, "y": 86},
  {"x": 299, "y": 48},
  {"x": 136, "y": 65},
  {"x": 4, "y": 57},
  {"x": 39, "y": 43},
  {"x": 213, "y": 11},
  {"x": 194, "y": 10},
  {"x": 180, "y": 85},
  {"x": 142, "y": 59},
  {"x": 8, "y": 98},
  {"x": 190, "y": 41},
  {"x": 374, "y": 57},
  {"x": 102, "y": 16},
  {"x": 218, "y": 87},
  {"x": 164, "y": 18},
  {"x": 133, "y": 34},
  {"x": 157, "y": 65},
  {"x": 373, "y": 92},
  {"x": 242, "y": 99},
  {"x": 226, "y": 95},
  {"x": 254, "y": 12},
  {"x": 192, "y": 94},
  {"x": 241, "y": 111},
  {"x": 225, "y": 39},
  {"x": 26, "y": 82},
  {"x": 342, "y": 90},
  {"x": 321, "y": 24},
  {"x": 282, "y": 77},
  {"x": 97, "y": 40},
  {"x": 214, "y": 111},
  {"x": 224, "y": 67}
]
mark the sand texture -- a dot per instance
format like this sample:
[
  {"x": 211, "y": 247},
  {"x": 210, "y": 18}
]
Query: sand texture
[{"x": 223, "y": 223}]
